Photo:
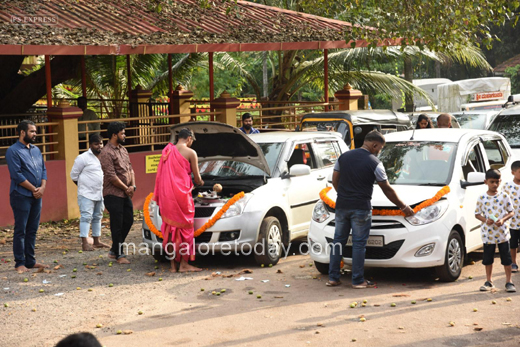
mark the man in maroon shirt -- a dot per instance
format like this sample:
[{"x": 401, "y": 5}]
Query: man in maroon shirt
[{"x": 118, "y": 188}]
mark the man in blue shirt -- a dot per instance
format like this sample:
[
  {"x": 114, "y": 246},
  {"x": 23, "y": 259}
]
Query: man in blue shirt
[
  {"x": 247, "y": 124},
  {"x": 28, "y": 181}
]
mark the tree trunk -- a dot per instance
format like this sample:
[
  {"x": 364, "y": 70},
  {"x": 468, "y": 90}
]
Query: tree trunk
[
  {"x": 408, "y": 75},
  {"x": 18, "y": 93},
  {"x": 437, "y": 69},
  {"x": 264, "y": 75}
]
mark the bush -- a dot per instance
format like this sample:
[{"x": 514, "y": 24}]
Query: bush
[{"x": 512, "y": 73}]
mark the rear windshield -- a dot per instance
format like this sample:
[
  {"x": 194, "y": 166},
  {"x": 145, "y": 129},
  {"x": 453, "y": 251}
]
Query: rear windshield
[{"x": 509, "y": 126}]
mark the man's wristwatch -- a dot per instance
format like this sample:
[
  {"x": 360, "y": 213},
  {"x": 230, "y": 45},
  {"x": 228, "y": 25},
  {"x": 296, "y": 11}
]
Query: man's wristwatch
[{"x": 135, "y": 188}]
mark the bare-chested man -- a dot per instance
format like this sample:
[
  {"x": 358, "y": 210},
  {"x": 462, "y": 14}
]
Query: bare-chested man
[{"x": 173, "y": 187}]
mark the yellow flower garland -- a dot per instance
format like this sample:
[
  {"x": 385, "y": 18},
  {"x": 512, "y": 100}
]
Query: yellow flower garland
[
  {"x": 385, "y": 212},
  {"x": 206, "y": 226}
]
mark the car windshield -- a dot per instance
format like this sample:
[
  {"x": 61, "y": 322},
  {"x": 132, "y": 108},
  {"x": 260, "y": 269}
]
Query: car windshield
[
  {"x": 418, "y": 163},
  {"x": 509, "y": 126},
  {"x": 230, "y": 168},
  {"x": 472, "y": 121},
  {"x": 337, "y": 125}
]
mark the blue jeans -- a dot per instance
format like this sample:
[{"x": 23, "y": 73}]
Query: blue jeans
[
  {"x": 91, "y": 213},
  {"x": 26, "y": 210},
  {"x": 360, "y": 222}
]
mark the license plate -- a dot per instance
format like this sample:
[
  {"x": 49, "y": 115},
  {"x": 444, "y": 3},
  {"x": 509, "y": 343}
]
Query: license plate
[{"x": 373, "y": 241}]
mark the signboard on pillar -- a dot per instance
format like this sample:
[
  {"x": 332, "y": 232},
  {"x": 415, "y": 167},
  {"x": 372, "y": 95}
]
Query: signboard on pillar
[{"x": 152, "y": 163}]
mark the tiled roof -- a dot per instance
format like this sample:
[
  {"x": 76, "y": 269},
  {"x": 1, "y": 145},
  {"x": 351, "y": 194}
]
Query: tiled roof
[
  {"x": 135, "y": 27},
  {"x": 501, "y": 68}
]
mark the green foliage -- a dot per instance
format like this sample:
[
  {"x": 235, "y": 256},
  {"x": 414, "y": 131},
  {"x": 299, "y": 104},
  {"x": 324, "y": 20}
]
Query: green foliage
[
  {"x": 438, "y": 25},
  {"x": 513, "y": 74}
]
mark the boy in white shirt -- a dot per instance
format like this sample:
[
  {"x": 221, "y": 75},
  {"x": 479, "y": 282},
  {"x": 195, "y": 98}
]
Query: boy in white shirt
[
  {"x": 513, "y": 189},
  {"x": 88, "y": 176},
  {"x": 493, "y": 209}
]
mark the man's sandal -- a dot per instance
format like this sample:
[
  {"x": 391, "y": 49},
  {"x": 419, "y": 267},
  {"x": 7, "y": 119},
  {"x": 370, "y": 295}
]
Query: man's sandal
[
  {"x": 366, "y": 284},
  {"x": 333, "y": 283}
]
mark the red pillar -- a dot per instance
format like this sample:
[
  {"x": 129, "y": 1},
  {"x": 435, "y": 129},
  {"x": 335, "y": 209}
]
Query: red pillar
[
  {"x": 83, "y": 77},
  {"x": 170, "y": 83},
  {"x": 48, "y": 81},
  {"x": 326, "y": 75},
  {"x": 129, "y": 75},
  {"x": 211, "y": 83}
]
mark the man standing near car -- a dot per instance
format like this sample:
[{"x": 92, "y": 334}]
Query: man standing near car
[
  {"x": 247, "y": 124},
  {"x": 118, "y": 188},
  {"x": 354, "y": 175},
  {"x": 88, "y": 176},
  {"x": 28, "y": 181},
  {"x": 444, "y": 121}
]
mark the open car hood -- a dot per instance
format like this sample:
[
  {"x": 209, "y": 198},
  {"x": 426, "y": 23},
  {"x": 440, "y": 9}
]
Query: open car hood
[{"x": 219, "y": 141}]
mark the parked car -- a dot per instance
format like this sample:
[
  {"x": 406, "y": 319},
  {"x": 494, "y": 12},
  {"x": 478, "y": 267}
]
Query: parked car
[
  {"x": 475, "y": 119},
  {"x": 507, "y": 122},
  {"x": 433, "y": 116},
  {"x": 354, "y": 125},
  {"x": 418, "y": 165},
  {"x": 281, "y": 175}
]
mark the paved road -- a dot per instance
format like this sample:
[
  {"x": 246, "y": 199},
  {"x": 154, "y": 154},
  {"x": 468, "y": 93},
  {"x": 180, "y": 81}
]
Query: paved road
[{"x": 295, "y": 307}]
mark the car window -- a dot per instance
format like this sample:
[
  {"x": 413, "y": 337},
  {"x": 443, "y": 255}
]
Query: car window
[
  {"x": 419, "y": 162},
  {"x": 302, "y": 154},
  {"x": 474, "y": 162},
  {"x": 472, "y": 121},
  {"x": 503, "y": 150},
  {"x": 509, "y": 127},
  {"x": 327, "y": 153},
  {"x": 494, "y": 154}
]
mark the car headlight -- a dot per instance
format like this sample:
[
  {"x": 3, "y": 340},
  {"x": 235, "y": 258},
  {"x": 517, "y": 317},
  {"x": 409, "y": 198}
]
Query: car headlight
[
  {"x": 237, "y": 208},
  {"x": 320, "y": 212},
  {"x": 429, "y": 214}
]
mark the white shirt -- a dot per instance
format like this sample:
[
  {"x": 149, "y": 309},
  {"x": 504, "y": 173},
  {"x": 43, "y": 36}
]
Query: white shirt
[
  {"x": 513, "y": 190},
  {"x": 497, "y": 205},
  {"x": 88, "y": 173}
]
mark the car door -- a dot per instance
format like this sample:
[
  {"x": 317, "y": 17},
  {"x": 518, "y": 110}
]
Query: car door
[
  {"x": 473, "y": 160},
  {"x": 303, "y": 191}
]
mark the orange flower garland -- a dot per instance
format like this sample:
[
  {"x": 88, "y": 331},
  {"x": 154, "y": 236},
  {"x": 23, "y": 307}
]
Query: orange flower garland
[
  {"x": 385, "y": 212},
  {"x": 206, "y": 226}
]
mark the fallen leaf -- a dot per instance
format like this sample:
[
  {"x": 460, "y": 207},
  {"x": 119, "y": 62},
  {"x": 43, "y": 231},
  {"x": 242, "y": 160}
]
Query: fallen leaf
[
  {"x": 377, "y": 305},
  {"x": 478, "y": 328},
  {"x": 302, "y": 266},
  {"x": 128, "y": 332},
  {"x": 99, "y": 273},
  {"x": 320, "y": 324},
  {"x": 40, "y": 270},
  {"x": 401, "y": 295},
  {"x": 279, "y": 271},
  {"x": 150, "y": 274},
  {"x": 278, "y": 297},
  {"x": 3, "y": 242},
  {"x": 228, "y": 276},
  {"x": 245, "y": 271},
  {"x": 57, "y": 267}
]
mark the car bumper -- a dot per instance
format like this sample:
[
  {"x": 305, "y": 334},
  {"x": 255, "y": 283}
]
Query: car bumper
[
  {"x": 236, "y": 234},
  {"x": 401, "y": 243}
]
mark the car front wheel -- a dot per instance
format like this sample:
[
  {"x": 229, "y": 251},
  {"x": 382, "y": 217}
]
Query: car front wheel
[
  {"x": 453, "y": 259},
  {"x": 322, "y": 268},
  {"x": 268, "y": 250}
]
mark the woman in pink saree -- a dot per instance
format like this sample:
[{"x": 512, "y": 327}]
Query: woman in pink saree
[{"x": 172, "y": 193}]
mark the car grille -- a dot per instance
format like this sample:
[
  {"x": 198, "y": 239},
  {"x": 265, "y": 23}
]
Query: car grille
[
  {"x": 388, "y": 251},
  {"x": 378, "y": 224},
  {"x": 204, "y": 212},
  {"x": 205, "y": 237}
]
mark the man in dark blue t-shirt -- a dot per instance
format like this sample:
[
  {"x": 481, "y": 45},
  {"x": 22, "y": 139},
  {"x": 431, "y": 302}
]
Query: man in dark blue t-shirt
[{"x": 354, "y": 175}]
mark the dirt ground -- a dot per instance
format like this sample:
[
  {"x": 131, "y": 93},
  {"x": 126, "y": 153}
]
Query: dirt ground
[{"x": 289, "y": 304}]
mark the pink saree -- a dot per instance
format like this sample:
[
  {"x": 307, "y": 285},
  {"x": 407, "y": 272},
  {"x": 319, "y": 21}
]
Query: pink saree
[{"x": 172, "y": 193}]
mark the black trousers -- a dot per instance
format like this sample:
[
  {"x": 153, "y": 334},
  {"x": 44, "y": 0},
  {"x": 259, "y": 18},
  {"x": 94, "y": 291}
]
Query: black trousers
[{"x": 121, "y": 219}]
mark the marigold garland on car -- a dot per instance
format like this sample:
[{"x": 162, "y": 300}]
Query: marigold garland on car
[
  {"x": 385, "y": 212},
  {"x": 206, "y": 226}
]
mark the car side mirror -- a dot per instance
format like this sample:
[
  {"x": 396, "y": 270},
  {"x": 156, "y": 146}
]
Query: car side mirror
[
  {"x": 299, "y": 170},
  {"x": 474, "y": 179}
]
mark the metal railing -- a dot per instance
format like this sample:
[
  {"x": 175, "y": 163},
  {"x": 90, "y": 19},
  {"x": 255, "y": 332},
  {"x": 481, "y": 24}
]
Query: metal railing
[
  {"x": 148, "y": 133},
  {"x": 46, "y": 139},
  {"x": 284, "y": 117}
]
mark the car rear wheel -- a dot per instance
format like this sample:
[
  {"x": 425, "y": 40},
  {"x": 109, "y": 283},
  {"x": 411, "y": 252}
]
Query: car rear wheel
[
  {"x": 322, "y": 268},
  {"x": 453, "y": 259},
  {"x": 268, "y": 250}
]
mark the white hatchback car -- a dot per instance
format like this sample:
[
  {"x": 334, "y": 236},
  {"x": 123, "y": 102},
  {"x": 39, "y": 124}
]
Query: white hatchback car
[
  {"x": 418, "y": 165},
  {"x": 281, "y": 174}
]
